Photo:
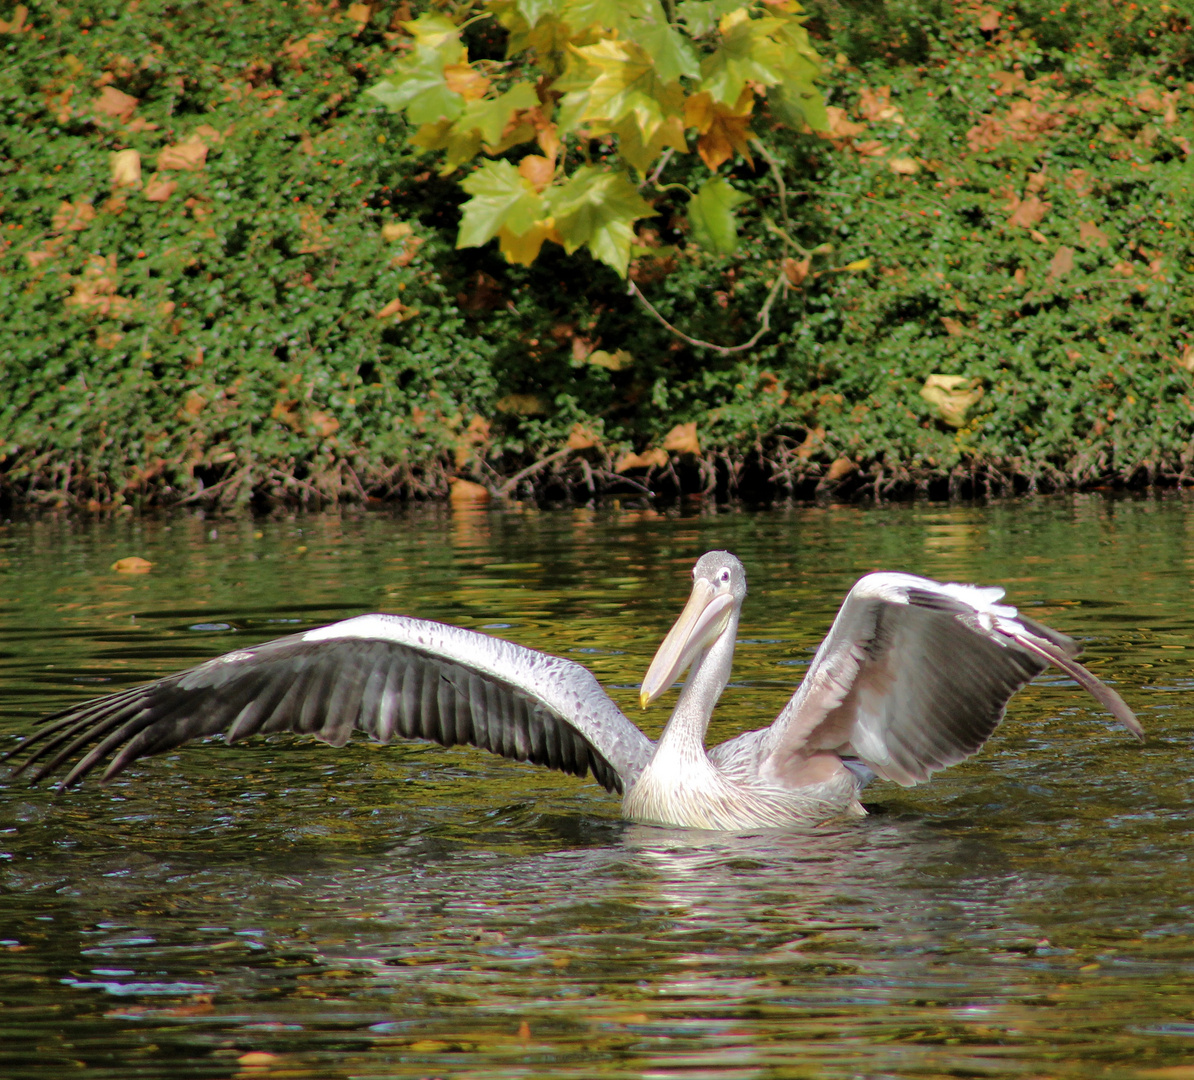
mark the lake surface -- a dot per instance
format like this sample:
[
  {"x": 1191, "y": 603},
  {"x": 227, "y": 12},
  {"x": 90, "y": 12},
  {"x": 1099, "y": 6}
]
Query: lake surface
[{"x": 283, "y": 909}]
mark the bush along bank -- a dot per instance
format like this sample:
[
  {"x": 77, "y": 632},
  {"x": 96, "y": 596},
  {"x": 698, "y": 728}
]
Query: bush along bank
[{"x": 226, "y": 275}]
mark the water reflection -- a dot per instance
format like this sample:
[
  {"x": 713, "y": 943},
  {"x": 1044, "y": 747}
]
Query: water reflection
[{"x": 414, "y": 912}]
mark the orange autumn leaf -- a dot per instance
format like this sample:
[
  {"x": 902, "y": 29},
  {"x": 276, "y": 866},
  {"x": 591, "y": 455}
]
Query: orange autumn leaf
[
  {"x": 189, "y": 155},
  {"x": 1090, "y": 235},
  {"x": 466, "y": 80},
  {"x": 159, "y": 189},
  {"x": 795, "y": 271},
  {"x": 538, "y": 170},
  {"x": 723, "y": 131},
  {"x": 581, "y": 438},
  {"x": 1027, "y": 213},
  {"x": 132, "y": 564},
  {"x": 17, "y": 23},
  {"x": 683, "y": 439},
  {"x": 115, "y": 103},
  {"x": 466, "y": 493},
  {"x": 1061, "y": 263},
  {"x": 73, "y": 217},
  {"x": 840, "y": 126},
  {"x": 648, "y": 459}
]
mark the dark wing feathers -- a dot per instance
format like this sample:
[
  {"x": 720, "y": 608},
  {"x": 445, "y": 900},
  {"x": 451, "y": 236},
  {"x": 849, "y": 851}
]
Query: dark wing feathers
[
  {"x": 328, "y": 688},
  {"x": 915, "y": 676}
]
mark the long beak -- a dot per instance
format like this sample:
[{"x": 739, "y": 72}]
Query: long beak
[{"x": 703, "y": 618}]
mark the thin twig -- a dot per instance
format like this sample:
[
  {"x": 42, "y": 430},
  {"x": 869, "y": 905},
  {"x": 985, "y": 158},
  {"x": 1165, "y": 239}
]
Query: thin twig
[
  {"x": 722, "y": 350},
  {"x": 530, "y": 470},
  {"x": 663, "y": 160},
  {"x": 780, "y": 188}
]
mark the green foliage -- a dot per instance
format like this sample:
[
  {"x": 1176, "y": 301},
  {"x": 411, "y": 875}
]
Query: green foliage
[
  {"x": 276, "y": 306},
  {"x": 605, "y": 74}
]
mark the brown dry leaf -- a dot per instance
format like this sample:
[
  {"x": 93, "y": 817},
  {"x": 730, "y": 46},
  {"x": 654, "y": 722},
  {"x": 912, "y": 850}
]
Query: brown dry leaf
[
  {"x": 538, "y": 170},
  {"x": 466, "y": 80},
  {"x": 286, "y": 410},
  {"x": 323, "y": 424},
  {"x": 51, "y": 249},
  {"x": 813, "y": 438},
  {"x": 1038, "y": 237},
  {"x": 194, "y": 403},
  {"x": 615, "y": 361},
  {"x": 1148, "y": 99},
  {"x": 485, "y": 296},
  {"x": 396, "y": 230},
  {"x": 108, "y": 339},
  {"x": 397, "y": 309},
  {"x": 903, "y": 166},
  {"x": 115, "y": 103},
  {"x": 953, "y": 327},
  {"x": 1009, "y": 81},
  {"x": 132, "y": 564},
  {"x": 987, "y": 134},
  {"x": 795, "y": 271},
  {"x": 73, "y": 217},
  {"x": 839, "y": 468},
  {"x": 314, "y": 231},
  {"x": 466, "y": 493},
  {"x": 126, "y": 168},
  {"x": 648, "y": 459},
  {"x": 876, "y": 105},
  {"x": 1123, "y": 269},
  {"x": 1090, "y": 235},
  {"x": 1170, "y": 100},
  {"x": 159, "y": 189},
  {"x": 521, "y": 405},
  {"x": 723, "y": 131},
  {"x": 840, "y": 126},
  {"x": 988, "y": 19},
  {"x": 581, "y": 348},
  {"x": 1079, "y": 183},
  {"x": 1037, "y": 182},
  {"x": 951, "y": 397},
  {"x": 17, "y": 23},
  {"x": 1028, "y": 213},
  {"x": 95, "y": 289},
  {"x": 190, "y": 155},
  {"x": 1187, "y": 358},
  {"x": 683, "y": 439},
  {"x": 1020, "y": 276},
  {"x": 581, "y": 438},
  {"x": 1061, "y": 263},
  {"x": 871, "y": 148},
  {"x": 359, "y": 14}
]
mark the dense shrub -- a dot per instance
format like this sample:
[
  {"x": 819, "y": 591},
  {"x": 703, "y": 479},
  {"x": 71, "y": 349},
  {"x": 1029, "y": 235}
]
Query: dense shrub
[{"x": 274, "y": 307}]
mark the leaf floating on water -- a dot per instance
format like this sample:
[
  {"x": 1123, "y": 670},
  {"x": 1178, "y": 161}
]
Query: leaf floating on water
[{"x": 132, "y": 564}]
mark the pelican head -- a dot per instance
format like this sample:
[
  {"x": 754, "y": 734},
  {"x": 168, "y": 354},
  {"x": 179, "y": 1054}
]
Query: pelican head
[{"x": 718, "y": 589}]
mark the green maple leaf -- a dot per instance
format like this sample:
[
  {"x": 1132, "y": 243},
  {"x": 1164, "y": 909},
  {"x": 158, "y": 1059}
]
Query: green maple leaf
[
  {"x": 489, "y": 116},
  {"x": 418, "y": 85},
  {"x": 711, "y": 215},
  {"x": 457, "y": 148},
  {"x": 701, "y": 16},
  {"x": 612, "y": 14},
  {"x": 746, "y": 53},
  {"x": 437, "y": 33},
  {"x": 673, "y": 56},
  {"x": 501, "y": 199},
  {"x": 627, "y": 84},
  {"x": 534, "y": 10},
  {"x": 597, "y": 209}
]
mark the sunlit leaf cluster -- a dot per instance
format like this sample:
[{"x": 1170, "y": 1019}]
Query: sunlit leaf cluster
[{"x": 575, "y": 127}]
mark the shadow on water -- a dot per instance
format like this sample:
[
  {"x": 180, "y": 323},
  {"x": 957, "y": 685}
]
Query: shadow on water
[{"x": 412, "y": 912}]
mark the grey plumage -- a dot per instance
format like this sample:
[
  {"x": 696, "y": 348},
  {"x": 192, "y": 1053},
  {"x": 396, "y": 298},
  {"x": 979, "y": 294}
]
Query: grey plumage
[{"x": 912, "y": 677}]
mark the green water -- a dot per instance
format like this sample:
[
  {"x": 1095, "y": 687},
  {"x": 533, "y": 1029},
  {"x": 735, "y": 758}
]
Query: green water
[{"x": 413, "y": 912}]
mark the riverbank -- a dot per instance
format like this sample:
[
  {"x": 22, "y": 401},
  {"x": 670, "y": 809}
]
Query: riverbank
[{"x": 224, "y": 281}]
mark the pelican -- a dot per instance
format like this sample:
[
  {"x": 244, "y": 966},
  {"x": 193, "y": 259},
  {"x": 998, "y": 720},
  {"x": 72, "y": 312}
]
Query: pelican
[{"x": 914, "y": 676}]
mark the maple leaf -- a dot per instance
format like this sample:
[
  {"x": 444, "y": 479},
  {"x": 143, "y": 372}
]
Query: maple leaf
[
  {"x": 627, "y": 84},
  {"x": 746, "y": 53},
  {"x": 489, "y": 116},
  {"x": 642, "y": 154},
  {"x": 612, "y": 14},
  {"x": 439, "y": 136},
  {"x": 115, "y": 103},
  {"x": 523, "y": 248},
  {"x": 1027, "y": 213},
  {"x": 1090, "y": 235},
  {"x": 711, "y": 215},
  {"x": 597, "y": 210},
  {"x": 465, "y": 80},
  {"x": 419, "y": 86},
  {"x": 722, "y": 130},
  {"x": 501, "y": 199},
  {"x": 673, "y": 56}
]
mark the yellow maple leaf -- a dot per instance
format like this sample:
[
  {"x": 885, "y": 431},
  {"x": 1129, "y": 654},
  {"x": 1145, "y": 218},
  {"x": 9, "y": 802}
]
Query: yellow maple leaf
[{"x": 722, "y": 130}]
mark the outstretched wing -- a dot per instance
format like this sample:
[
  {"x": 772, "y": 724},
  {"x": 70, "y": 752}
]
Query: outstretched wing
[
  {"x": 916, "y": 675},
  {"x": 383, "y": 675}
]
